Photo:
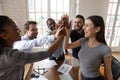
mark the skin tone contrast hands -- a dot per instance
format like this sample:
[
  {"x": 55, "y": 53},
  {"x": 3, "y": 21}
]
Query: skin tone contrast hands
[
  {"x": 59, "y": 37},
  {"x": 68, "y": 32},
  {"x": 60, "y": 32}
]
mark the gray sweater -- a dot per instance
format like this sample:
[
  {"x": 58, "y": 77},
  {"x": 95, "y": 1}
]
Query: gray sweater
[{"x": 12, "y": 62}]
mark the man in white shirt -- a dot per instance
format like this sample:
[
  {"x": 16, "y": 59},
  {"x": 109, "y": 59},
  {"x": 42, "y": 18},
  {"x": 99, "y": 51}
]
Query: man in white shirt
[{"x": 30, "y": 40}]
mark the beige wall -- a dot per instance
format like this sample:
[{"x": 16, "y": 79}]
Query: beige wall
[
  {"x": 17, "y": 9},
  {"x": 1, "y": 11},
  {"x": 93, "y": 7}
]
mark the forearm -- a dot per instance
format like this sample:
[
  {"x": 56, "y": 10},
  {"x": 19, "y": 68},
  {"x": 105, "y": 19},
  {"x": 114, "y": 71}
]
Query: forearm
[
  {"x": 66, "y": 42},
  {"x": 45, "y": 39},
  {"x": 55, "y": 45},
  {"x": 109, "y": 76},
  {"x": 108, "y": 70}
]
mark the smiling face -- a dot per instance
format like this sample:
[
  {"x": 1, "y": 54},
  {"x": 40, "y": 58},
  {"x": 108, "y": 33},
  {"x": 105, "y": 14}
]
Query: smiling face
[
  {"x": 32, "y": 31},
  {"x": 13, "y": 33},
  {"x": 78, "y": 24},
  {"x": 89, "y": 29},
  {"x": 51, "y": 24}
]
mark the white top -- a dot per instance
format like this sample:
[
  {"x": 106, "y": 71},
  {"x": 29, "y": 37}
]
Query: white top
[{"x": 26, "y": 45}]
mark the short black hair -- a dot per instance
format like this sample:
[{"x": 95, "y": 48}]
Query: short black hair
[
  {"x": 50, "y": 19},
  {"x": 4, "y": 20},
  {"x": 26, "y": 25},
  {"x": 80, "y": 16}
]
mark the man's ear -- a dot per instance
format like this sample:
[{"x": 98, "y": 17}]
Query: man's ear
[
  {"x": 25, "y": 31},
  {"x": 4, "y": 35}
]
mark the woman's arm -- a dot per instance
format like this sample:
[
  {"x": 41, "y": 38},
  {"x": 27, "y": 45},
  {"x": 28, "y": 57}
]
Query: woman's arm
[
  {"x": 68, "y": 45},
  {"x": 108, "y": 71}
]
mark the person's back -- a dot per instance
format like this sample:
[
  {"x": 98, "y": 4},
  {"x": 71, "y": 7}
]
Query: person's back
[{"x": 11, "y": 64}]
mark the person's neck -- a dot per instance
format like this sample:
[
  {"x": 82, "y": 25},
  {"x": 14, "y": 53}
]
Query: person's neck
[
  {"x": 30, "y": 38},
  {"x": 93, "y": 42},
  {"x": 80, "y": 31}
]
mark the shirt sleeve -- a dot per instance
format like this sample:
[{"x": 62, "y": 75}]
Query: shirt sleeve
[
  {"x": 44, "y": 39},
  {"x": 107, "y": 51},
  {"x": 21, "y": 58},
  {"x": 27, "y": 44},
  {"x": 82, "y": 41}
]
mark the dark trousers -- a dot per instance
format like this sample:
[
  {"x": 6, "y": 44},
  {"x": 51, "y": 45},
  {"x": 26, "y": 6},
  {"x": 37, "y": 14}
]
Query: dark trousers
[{"x": 97, "y": 78}]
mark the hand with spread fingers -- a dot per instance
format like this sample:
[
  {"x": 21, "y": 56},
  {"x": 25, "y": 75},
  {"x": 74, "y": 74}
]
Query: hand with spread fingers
[{"x": 65, "y": 20}]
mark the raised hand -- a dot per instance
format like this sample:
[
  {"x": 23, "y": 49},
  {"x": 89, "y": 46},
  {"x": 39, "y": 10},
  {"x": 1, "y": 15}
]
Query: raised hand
[
  {"x": 65, "y": 20},
  {"x": 59, "y": 31}
]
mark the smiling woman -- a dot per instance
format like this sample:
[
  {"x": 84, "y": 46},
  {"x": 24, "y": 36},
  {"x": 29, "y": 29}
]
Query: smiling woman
[
  {"x": 12, "y": 61},
  {"x": 94, "y": 50}
]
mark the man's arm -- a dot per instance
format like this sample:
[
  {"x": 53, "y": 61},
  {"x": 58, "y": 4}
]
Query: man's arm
[{"x": 27, "y": 44}]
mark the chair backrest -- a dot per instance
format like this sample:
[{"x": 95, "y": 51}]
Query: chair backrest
[{"x": 115, "y": 68}]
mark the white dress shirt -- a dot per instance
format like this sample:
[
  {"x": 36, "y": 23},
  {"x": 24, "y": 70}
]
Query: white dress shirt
[{"x": 26, "y": 45}]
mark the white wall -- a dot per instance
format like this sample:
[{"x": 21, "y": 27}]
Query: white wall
[
  {"x": 1, "y": 11},
  {"x": 93, "y": 7},
  {"x": 16, "y": 9}
]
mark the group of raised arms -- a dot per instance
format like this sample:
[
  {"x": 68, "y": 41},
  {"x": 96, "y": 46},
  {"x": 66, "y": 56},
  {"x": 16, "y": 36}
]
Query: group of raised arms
[{"x": 15, "y": 50}]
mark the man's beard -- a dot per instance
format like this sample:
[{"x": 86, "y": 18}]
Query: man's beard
[{"x": 78, "y": 28}]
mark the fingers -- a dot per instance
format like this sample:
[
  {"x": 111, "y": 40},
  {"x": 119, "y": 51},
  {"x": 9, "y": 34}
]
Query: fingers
[
  {"x": 70, "y": 24},
  {"x": 66, "y": 16},
  {"x": 64, "y": 25}
]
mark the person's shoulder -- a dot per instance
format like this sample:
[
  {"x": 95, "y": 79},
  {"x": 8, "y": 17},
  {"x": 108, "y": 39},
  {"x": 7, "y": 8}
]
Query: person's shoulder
[
  {"x": 83, "y": 39},
  {"x": 8, "y": 50},
  {"x": 73, "y": 31},
  {"x": 105, "y": 46},
  {"x": 24, "y": 37},
  {"x": 105, "y": 49}
]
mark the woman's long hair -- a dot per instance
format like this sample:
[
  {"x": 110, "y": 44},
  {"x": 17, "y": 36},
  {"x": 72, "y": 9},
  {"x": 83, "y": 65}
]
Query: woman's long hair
[{"x": 99, "y": 22}]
